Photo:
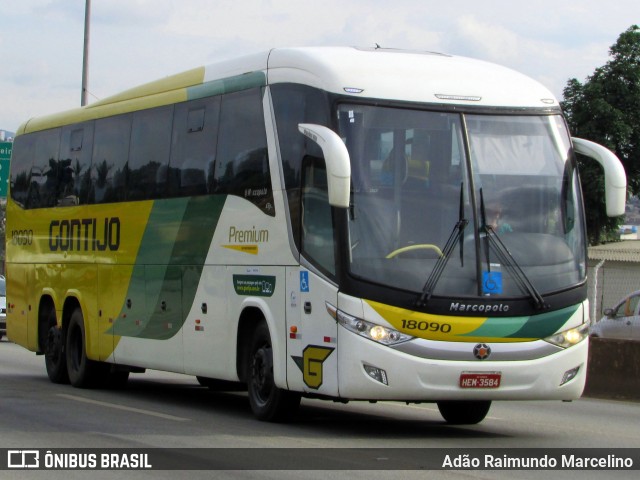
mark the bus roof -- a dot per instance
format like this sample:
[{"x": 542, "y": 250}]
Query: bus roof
[
  {"x": 424, "y": 77},
  {"x": 388, "y": 74}
]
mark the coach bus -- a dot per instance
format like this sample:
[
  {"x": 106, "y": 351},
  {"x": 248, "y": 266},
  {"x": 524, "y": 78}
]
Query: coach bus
[{"x": 333, "y": 223}]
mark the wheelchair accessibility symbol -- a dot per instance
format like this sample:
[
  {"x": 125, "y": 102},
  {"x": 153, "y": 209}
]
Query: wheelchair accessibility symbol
[
  {"x": 491, "y": 283},
  {"x": 304, "y": 281}
]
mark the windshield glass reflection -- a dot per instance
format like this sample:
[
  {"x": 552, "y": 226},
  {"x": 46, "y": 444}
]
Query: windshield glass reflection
[{"x": 411, "y": 191}]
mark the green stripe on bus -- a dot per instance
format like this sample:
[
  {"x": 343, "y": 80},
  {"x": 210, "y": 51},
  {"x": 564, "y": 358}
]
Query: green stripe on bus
[
  {"x": 545, "y": 324},
  {"x": 535, "y": 326},
  {"x": 498, "y": 327},
  {"x": 172, "y": 255},
  {"x": 227, "y": 85}
]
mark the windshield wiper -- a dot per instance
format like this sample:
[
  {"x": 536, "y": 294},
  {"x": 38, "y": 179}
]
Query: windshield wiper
[
  {"x": 492, "y": 240},
  {"x": 455, "y": 238}
]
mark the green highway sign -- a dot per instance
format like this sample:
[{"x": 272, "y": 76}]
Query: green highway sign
[{"x": 5, "y": 156}]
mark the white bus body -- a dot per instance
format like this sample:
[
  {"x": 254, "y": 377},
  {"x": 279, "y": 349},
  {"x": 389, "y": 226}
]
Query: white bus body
[{"x": 358, "y": 260}]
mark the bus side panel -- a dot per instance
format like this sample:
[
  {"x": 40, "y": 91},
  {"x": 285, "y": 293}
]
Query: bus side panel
[
  {"x": 20, "y": 319},
  {"x": 312, "y": 336},
  {"x": 148, "y": 327},
  {"x": 209, "y": 332},
  {"x": 113, "y": 282},
  {"x": 79, "y": 281}
]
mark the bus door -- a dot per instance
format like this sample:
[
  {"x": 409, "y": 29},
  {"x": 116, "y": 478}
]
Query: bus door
[
  {"x": 312, "y": 332},
  {"x": 312, "y": 363}
]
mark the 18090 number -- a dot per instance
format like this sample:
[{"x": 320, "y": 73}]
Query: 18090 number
[{"x": 426, "y": 326}]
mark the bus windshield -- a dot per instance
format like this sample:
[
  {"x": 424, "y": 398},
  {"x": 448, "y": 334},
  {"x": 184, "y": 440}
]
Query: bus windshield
[{"x": 469, "y": 204}]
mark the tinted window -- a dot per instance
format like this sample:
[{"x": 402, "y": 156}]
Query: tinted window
[
  {"x": 44, "y": 173},
  {"x": 242, "y": 163},
  {"x": 110, "y": 168},
  {"x": 295, "y": 104},
  {"x": 149, "y": 154},
  {"x": 317, "y": 239},
  {"x": 21, "y": 163},
  {"x": 195, "y": 131},
  {"x": 75, "y": 164},
  {"x": 204, "y": 146}
]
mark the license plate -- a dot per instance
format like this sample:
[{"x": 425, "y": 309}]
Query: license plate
[{"x": 480, "y": 380}]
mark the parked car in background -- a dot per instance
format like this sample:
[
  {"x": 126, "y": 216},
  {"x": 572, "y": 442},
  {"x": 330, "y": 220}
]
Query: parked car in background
[
  {"x": 622, "y": 321},
  {"x": 3, "y": 307}
]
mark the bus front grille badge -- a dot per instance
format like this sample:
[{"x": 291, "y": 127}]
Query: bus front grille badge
[{"x": 481, "y": 351}]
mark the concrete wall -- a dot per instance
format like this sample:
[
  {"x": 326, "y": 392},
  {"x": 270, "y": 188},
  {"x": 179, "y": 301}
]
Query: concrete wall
[
  {"x": 614, "y": 369},
  {"x": 614, "y": 281}
]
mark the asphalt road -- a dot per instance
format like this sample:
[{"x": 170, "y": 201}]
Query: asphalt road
[{"x": 161, "y": 410}]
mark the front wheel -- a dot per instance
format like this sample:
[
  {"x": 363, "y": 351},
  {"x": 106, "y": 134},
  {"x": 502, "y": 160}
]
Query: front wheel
[
  {"x": 268, "y": 402},
  {"x": 464, "y": 412}
]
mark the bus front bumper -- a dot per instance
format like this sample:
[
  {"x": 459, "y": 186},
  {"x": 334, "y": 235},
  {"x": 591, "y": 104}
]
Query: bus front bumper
[{"x": 371, "y": 371}]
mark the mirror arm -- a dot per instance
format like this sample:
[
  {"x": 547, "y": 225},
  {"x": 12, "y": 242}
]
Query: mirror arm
[
  {"x": 336, "y": 157},
  {"x": 615, "y": 178}
]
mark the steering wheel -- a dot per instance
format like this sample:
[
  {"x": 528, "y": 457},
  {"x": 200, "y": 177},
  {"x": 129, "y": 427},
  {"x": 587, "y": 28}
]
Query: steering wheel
[{"x": 420, "y": 246}]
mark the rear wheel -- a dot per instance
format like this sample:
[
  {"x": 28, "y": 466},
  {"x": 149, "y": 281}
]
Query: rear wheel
[
  {"x": 268, "y": 402},
  {"x": 464, "y": 412},
  {"x": 52, "y": 343},
  {"x": 82, "y": 371}
]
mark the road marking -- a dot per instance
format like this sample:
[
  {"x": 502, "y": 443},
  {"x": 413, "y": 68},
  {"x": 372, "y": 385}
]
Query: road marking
[{"x": 123, "y": 407}]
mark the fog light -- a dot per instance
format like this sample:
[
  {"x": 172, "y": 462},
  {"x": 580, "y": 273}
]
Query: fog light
[
  {"x": 376, "y": 373},
  {"x": 569, "y": 375}
]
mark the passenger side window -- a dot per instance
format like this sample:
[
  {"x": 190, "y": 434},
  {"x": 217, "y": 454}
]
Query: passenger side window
[
  {"x": 203, "y": 146},
  {"x": 149, "y": 154},
  {"x": 242, "y": 163},
  {"x": 21, "y": 163},
  {"x": 110, "y": 166},
  {"x": 195, "y": 133},
  {"x": 75, "y": 164},
  {"x": 44, "y": 173}
]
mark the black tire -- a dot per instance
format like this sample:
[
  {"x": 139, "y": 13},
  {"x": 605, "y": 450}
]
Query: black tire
[
  {"x": 83, "y": 373},
  {"x": 52, "y": 342},
  {"x": 268, "y": 402},
  {"x": 464, "y": 412}
]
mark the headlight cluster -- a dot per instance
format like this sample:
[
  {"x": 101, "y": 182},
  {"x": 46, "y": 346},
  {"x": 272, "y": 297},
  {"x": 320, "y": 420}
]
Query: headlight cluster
[
  {"x": 570, "y": 337},
  {"x": 371, "y": 331}
]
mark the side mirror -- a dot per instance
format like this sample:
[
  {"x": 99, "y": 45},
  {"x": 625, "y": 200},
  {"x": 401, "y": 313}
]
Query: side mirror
[
  {"x": 337, "y": 160},
  {"x": 615, "y": 179},
  {"x": 608, "y": 312}
]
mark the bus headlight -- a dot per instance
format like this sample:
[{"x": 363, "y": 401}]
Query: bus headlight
[
  {"x": 570, "y": 337},
  {"x": 371, "y": 331}
]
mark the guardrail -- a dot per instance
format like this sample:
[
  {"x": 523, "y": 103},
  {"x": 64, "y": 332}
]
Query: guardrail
[{"x": 613, "y": 370}]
